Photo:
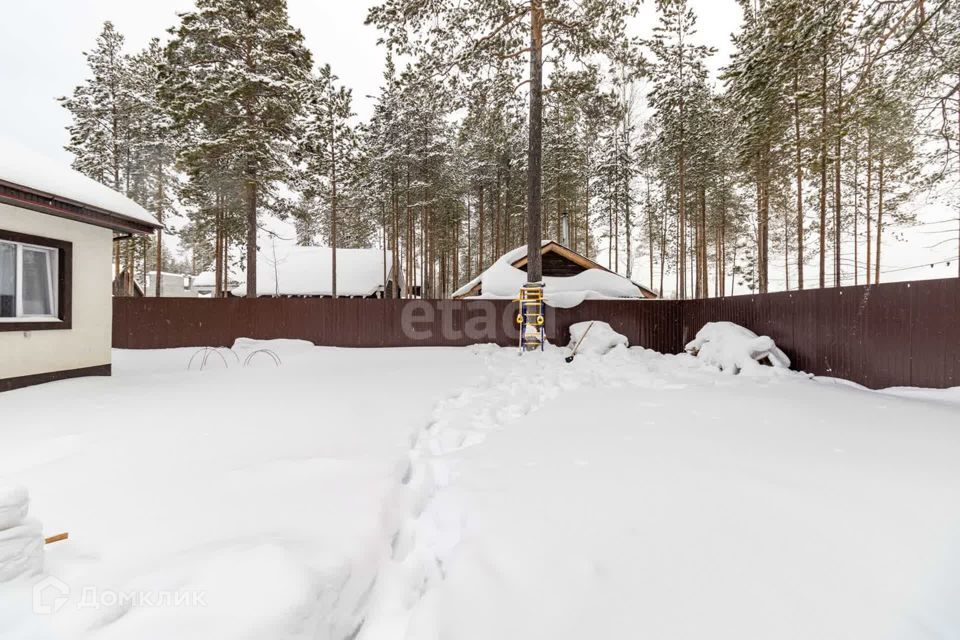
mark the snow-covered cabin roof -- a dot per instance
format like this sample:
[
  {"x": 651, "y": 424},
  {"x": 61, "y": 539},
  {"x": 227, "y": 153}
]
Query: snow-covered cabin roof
[
  {"x": 32, "y": 181},
  {"x": 307, "y": 271},
  {"x": 504, "y": 278}
]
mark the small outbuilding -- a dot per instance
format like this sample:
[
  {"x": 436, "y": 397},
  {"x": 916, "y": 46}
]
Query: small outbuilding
[
  {"x": 569, "y": 277},
  {"x": 307, "y": 272},
  {"x": 172, "y": 285},
  {"x": 57, "y": 229}
]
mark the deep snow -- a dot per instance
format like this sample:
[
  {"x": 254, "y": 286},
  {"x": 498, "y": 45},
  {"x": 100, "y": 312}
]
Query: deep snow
[{"x": 473, "y": 493}]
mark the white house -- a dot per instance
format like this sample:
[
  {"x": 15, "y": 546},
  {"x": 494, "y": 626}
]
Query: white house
[
  {"x": 308, "y": 272},
  {"x": 56, "y": 240}
]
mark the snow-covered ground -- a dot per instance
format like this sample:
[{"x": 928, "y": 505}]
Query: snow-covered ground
[{"x": 471, "y": 493}]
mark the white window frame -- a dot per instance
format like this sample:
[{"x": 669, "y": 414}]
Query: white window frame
[{"x": 53, "y": 277}]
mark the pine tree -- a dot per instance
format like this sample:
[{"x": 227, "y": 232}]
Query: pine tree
[
  {"x": 235, "y": 77},
  {"x": 153, "y": 182},
  {"x": 466, "y": 37},
  {"x": 328, "y": 148},
  {"x": 679, "y": 90},
  {"x": 101, "y": 133}
]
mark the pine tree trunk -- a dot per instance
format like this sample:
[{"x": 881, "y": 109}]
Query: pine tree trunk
[
  {"x": 395, "y": 223},
  {"x": 663, "y": 248},
  {"x": 627, "y": 229},
  {"x": 534, "y": 152},
  {"x": 480, "y": 210},
  {"x": 586, "y": 207},
  {"x": 160, "y": 230},
  {"x": 383, "y": 242},
  {"x": 765, "y": 263},
  {"x": 837, "y": 214},
  {"x": 455, "y": 280},
  {"x": 333, "y": 207},
  {"x": 799, "y": 177},
  {"x": 682, "y": 230},
  {"x": 733, "y": 274},
  {"x": 876, "y": 265},
  {"x": 497, "y": 216},
  {"x": 856, "y": 210},
  {"x": 408, "y": 242},
  {"x": 869, "y": 195},
  {"x": 469, "y": 244},
  {"x": 823, "y": 171},
  {"x": 251, "y": 204},
  {"x": 218, "y": 245},
  {"x": 508, "y": 210}
]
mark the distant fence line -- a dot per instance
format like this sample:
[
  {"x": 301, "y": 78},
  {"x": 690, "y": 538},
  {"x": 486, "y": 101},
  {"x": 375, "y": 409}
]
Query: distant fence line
[{"x": 882, "y": 335}]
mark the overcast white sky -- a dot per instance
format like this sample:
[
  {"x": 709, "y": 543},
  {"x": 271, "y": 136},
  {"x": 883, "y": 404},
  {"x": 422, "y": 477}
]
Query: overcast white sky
[{"x": 41, "y": 44}]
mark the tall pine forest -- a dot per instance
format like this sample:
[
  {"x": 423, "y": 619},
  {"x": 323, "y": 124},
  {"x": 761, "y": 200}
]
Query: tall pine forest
[{"x": 791, "y": 167}]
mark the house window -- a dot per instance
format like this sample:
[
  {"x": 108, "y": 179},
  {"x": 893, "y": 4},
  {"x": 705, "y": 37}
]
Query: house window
[{"x": 34, "y": 279}]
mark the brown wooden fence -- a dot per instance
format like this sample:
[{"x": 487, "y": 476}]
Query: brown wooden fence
[
  {"x": 159, "y": 323},
  {"x": 891, "y": 334},
  {"x": 902, "y": 333}
]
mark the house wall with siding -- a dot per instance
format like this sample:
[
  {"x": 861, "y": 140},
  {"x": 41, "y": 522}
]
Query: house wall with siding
[{"x": 87, "y": 342}]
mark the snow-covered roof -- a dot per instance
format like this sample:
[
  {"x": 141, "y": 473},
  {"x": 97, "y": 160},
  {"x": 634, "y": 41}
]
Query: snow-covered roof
[
  {"x": 307, "y": 271},
  {"x": 27, "y": 169},
  {"x": 209, "y": 279},
  {"x": 503, "y": 280}
]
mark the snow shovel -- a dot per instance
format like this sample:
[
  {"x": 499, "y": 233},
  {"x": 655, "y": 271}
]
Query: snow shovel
[{"x": 570, "y": 357}]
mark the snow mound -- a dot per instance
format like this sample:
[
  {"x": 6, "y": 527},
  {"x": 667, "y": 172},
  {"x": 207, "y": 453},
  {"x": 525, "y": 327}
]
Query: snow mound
[
  {"x": 21, "y": 540},
  {"x": 600, "y": 337},
  {"x": 734, "y": 349},
  {"x": 21, "y": 551},
  {"x": 14, "y": 503}
]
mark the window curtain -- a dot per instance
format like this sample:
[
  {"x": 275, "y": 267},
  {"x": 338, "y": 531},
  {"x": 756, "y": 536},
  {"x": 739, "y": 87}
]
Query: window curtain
[
  {"x": 37, "y": 285},
  {"x": 8, "y": 280}
]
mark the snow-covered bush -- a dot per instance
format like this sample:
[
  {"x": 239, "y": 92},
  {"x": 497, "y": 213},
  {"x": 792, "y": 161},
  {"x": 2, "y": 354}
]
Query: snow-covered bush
[
  {"x": 21, "y": 540},
  {"x": 601, "y": 338},
  {"x": 733, "y": 348}
]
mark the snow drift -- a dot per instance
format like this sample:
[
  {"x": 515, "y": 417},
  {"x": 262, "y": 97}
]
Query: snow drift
[
  {"x": 21, "y": 540},
  {"x": 14, "y": 503},
  {"x": 733, "y": 348},
  {"x": 600, "y": 338}
]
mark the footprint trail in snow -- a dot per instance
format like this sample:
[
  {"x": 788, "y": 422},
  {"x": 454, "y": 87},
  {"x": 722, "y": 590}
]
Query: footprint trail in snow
[{"x": 427, "y": 520}]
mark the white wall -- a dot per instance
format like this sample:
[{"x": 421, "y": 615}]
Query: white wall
[{"x": 87, "y": 344}]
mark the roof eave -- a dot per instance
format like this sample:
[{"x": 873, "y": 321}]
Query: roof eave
[{"x": 35, "y": 200}]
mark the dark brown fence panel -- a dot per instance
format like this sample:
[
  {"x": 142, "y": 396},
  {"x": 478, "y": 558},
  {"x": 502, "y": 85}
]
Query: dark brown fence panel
[
  {"x": 150, "y": 323},
  {"x": 902, "y": 333},
  {"x": 892, "y": 334}
]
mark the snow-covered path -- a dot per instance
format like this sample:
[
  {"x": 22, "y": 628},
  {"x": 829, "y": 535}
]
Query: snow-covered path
[{"x": 639, "y": 495}]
